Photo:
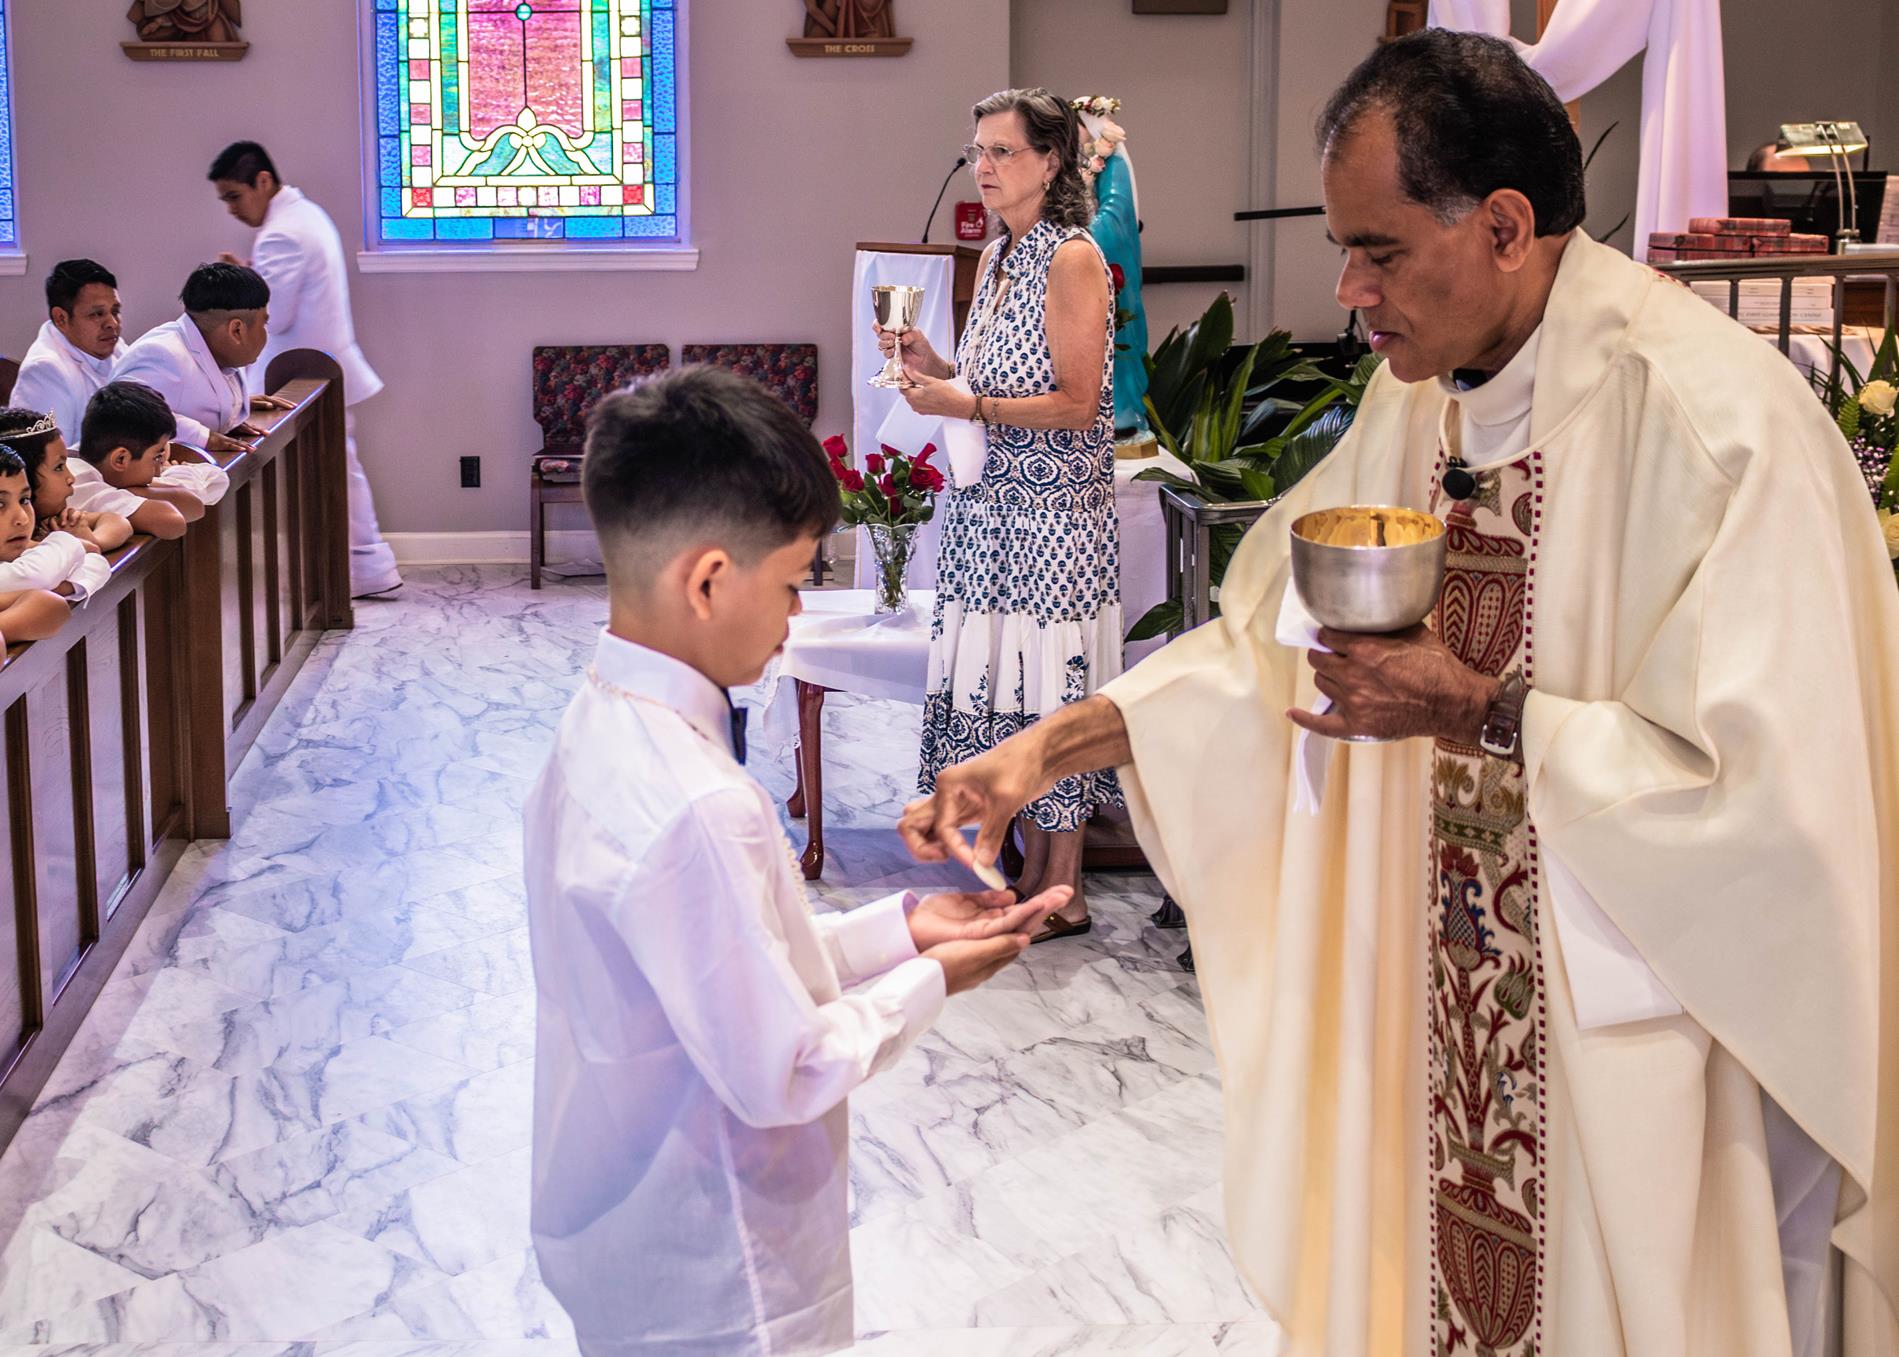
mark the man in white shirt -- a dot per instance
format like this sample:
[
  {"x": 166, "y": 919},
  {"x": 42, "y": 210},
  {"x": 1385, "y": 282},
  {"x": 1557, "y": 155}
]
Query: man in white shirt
[
  {"x": 198, "y": 362},
  {"x": 695, "y": 1043},
  {"x": 299, "y": 253},
  {"x": 76, "y": 347}
]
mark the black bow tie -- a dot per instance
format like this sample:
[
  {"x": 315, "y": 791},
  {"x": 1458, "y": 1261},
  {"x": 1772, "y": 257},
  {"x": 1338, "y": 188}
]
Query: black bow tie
[{"x": 738, "y": 717}]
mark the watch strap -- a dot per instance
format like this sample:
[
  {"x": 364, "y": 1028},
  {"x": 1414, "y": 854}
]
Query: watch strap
[{"x": 1502, "y": 733}]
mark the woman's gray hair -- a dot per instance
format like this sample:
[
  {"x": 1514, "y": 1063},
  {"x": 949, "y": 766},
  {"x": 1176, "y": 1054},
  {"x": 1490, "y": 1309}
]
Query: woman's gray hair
[{"x": 1053, "y": 125}]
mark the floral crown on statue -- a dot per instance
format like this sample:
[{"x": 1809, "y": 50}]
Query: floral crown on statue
[{"x": 1100, "y": 136}]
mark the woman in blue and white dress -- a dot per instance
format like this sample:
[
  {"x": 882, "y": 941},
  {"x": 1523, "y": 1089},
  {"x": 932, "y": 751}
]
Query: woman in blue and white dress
[{"x": 1028, "y": 595}]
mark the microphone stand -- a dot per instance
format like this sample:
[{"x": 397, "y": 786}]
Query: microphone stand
[{"x": 960, "y": 162}]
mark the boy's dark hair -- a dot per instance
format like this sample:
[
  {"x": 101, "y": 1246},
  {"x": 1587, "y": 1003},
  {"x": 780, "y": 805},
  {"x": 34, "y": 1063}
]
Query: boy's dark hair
[
  {"x": 12, "y": 464},
  {"x": 224, "y": 287},
  {"x": 704, "y": 450},
  {"x": 241, "y": 162},
  {"x": 69, "y": 277},
  {"x": 124, "y": 415},
  {"x": 15, "y": 420},
  {"x": 1471, "y": 118}
]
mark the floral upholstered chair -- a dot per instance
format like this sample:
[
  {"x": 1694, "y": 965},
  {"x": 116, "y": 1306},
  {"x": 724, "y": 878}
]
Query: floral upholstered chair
[
  {"x": 790, "y": 370},
  {"x": 569, "y": 380}
]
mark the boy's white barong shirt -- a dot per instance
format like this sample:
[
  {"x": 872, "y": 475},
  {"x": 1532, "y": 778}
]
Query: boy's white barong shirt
[{"x": 694, "y": 1047}]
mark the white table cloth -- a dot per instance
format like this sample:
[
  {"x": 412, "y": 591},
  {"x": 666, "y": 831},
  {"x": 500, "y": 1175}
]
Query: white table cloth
[{"x": 838, "y": 643}]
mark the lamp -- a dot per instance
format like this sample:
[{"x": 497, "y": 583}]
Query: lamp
[{"x": 1836, "y": 141}]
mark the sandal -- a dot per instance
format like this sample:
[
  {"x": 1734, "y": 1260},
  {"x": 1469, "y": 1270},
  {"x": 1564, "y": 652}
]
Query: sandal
[{"x": 1058, "y": 927}]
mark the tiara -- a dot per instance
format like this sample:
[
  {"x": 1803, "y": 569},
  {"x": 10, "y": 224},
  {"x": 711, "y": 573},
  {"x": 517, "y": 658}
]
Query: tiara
[{"x": 46, "y": 425}]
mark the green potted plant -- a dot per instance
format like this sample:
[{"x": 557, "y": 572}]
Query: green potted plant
[{"x": 1243, "y": 438}]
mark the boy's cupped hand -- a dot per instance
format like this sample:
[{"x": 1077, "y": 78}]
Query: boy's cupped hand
[
  {"x": 974, "y": 935},
  {"x": 972, "y": 916}
]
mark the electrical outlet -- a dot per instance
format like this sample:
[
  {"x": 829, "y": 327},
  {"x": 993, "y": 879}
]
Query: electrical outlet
[{"x": 471, "y": 473}]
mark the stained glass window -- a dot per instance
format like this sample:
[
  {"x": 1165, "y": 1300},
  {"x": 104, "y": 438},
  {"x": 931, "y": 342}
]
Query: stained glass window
[
  {"x": 9, "y": 210},
  {"x": 526, "y": 120}
]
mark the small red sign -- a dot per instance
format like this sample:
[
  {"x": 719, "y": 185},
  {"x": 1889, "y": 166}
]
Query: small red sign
[{"x": 972, "y": 221}]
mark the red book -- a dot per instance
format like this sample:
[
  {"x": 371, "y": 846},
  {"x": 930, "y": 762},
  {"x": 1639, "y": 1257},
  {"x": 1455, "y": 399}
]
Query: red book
[{"x": 1740, "y": 226}]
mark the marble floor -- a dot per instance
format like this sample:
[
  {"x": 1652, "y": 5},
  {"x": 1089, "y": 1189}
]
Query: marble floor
[{"x": 298, "y": 1118}]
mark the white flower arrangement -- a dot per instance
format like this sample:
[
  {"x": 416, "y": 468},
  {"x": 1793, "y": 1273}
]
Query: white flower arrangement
[{"x": 1099, "y": 144}]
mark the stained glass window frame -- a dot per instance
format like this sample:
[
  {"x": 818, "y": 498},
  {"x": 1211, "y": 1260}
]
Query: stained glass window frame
[
  {"x": 9, "y": 194},
  {"x": 631, "y": 106}
]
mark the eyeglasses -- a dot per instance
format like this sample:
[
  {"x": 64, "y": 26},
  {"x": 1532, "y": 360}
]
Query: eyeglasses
[{"x": 998, "y": 155}]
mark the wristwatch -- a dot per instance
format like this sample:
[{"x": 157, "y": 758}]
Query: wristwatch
[{"x": 1502, "y": 733}]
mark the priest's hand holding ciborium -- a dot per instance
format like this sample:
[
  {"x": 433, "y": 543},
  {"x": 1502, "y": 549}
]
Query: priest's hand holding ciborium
[
  {"x": 896, "y": 308},
  {"x": 1369, "y": 575}
]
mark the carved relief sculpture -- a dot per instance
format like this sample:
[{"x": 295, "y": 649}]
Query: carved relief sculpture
[
  {"x": 848, "y": 28},
  {"x": 187, "y": 20},
  {"x": 847, "y": 19}
]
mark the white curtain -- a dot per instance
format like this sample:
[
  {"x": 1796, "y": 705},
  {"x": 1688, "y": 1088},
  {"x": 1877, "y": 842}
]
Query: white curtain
[{"x": 1684, "y": 98}]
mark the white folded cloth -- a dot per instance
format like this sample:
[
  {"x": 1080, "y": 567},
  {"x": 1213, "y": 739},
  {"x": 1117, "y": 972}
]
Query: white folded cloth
[
  {"x": 1312, "y": 753},
  {"x": 962, "y": 440},
  {"x": 967, "y": 443}
]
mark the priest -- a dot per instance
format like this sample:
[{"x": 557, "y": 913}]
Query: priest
[{"x": 1566, "y": 1021}]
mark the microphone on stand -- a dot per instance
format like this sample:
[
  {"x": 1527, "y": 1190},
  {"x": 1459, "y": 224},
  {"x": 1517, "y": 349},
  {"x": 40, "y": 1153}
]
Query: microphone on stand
[{"x": 960, "y": 162}]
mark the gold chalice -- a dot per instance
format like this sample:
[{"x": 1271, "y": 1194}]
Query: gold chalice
[{"x": 896, "y": 307}]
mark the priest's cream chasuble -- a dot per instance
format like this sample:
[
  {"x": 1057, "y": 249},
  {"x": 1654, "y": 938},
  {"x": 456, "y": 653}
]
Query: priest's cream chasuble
[{"x": 1426, "y": 1153}]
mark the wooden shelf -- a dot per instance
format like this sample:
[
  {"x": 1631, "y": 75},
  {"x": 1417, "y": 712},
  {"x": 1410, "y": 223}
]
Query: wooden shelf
[
  {"x": 848, "y": 47},
  {"x": 186, "y": 51}
]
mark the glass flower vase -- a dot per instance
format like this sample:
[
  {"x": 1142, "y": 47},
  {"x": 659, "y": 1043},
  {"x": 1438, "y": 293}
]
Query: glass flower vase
[{"x": 891, "y": 547}]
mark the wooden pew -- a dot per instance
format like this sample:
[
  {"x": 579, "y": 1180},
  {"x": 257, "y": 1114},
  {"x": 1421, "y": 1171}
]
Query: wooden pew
[
  {"x": 97, "y": 803},
  {"x": 268, "y": 567},
  {"x": 121, "y": 731}
]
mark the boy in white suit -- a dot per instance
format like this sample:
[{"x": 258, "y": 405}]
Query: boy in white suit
[
  {"x": 198, "y": 361},
  {"x": 299, "y": 253},
  {"x": 76, "y": 347}
]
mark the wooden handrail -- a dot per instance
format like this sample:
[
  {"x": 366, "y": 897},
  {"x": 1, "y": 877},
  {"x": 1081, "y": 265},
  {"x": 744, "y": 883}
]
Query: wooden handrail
[{"x": 121, "y": 731}]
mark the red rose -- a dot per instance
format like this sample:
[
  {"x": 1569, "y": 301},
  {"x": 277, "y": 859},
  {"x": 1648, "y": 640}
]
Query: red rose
[
  {"x": 835, "y": 448},
  {"x": 929, "y": 451},
  {"x": 888, "y": 485},
  {"x": 874, "y": 463},
  {"x": 1120, "y": 278},
  {"x": 853, "y": 480}
]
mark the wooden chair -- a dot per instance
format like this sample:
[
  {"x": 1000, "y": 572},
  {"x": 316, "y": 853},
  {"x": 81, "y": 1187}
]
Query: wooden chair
[
  {"x": 9, "y": 374},
  {"x": 569, "y": 380},
  {"x": 790, "y": 370}
]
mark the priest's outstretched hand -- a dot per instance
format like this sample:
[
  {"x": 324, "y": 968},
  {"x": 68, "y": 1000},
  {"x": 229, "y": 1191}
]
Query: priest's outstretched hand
[
  {"x": 988, "y": 790},
  {"x": 1396, "y": 686}
]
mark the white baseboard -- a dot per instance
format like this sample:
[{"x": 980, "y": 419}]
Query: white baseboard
[
  {"x": 511, "y": 548},
  {"x": 488, "y": 548}
]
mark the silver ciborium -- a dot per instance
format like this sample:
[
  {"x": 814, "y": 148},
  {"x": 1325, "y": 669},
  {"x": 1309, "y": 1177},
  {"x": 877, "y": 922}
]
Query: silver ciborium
[
  {"x": 1368, "y": 568},
  {"x": 896, "y": 307}
]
